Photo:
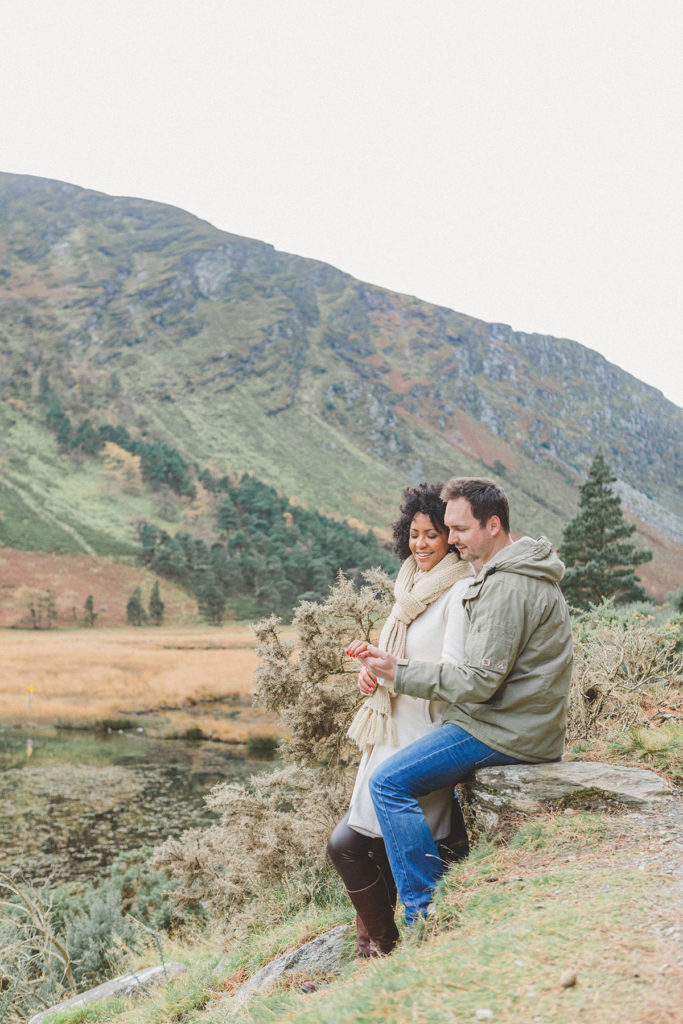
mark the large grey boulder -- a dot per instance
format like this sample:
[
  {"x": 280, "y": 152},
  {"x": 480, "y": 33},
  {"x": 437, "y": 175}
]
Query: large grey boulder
[
  {"x": 126, "y": 985},
  {"x": 528, "y": 788},
  {"x": 321, "y": 954}
]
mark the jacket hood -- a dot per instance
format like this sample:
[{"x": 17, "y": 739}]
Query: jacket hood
[{"x": 527, "y": 557}]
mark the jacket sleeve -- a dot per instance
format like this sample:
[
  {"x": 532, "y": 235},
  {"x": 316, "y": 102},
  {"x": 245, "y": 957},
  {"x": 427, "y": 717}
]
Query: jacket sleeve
[{"x": 493, "y": 639}]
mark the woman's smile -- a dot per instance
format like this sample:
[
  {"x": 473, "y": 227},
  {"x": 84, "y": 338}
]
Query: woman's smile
[{"x": 427, "y": 544}]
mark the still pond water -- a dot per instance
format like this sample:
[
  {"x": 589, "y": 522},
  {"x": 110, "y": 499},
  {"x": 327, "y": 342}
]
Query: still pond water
[{"x": 77, "y": 800}]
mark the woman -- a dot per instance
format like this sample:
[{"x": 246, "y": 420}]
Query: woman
[{"x": 427, "y": 623}]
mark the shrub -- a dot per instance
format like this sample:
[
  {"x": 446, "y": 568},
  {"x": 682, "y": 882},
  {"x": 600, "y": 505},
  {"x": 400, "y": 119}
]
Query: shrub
[
  {"x": 627, "y": 673},
  {"x": 114, "y": 724},
  {"x": 660, "y": 748},
  {"x": 96, "y": 936},
  {"x": 310, "y": 683},
  {"x": 195, "y": 732},
  {"x": 285, "y": 817},
  {"x": 54, "y": 942},
  {"x": 283, "y": 820},
  {"x": 676, "y": 599}
]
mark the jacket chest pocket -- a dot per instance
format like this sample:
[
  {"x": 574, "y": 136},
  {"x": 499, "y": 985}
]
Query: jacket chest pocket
[{"x": 491, "y": 650}]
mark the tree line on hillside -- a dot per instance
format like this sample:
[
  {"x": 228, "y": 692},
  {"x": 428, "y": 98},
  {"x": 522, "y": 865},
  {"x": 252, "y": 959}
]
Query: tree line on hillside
[
  {"x": 159, "y": 463},
  {"x": 273, "y": 551},
  {"x": 279, "y": 554}
]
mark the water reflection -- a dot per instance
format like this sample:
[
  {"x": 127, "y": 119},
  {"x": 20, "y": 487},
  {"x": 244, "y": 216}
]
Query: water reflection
[{"x": 69, "y": 803}]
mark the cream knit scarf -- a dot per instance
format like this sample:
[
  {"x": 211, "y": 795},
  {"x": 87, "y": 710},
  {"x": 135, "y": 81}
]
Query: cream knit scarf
[{"x": 414, "y": 591}]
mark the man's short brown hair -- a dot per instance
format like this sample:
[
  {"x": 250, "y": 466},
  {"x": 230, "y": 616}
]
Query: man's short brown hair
[{"x": 486, "y": 498}]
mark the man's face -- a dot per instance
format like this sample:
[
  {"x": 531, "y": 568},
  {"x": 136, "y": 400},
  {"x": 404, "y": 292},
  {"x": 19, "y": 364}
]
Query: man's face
[{"x": 476, "y": 543}]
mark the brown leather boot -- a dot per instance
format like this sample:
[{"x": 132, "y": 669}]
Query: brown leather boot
[
  {"x": 364, "y": 947},
  {"x": 375, "y": 909}
]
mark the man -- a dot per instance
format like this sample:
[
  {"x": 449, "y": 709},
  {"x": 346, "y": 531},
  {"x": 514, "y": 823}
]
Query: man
[{"x": 507, "y": 700}]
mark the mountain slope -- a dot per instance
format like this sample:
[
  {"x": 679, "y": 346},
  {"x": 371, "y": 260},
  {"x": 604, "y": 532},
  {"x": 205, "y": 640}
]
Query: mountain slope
[{"x": 335, "y": 392}]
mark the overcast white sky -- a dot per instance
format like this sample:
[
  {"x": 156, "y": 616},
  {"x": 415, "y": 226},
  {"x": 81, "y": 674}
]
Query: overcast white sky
[{"x": 517, "y": 160}]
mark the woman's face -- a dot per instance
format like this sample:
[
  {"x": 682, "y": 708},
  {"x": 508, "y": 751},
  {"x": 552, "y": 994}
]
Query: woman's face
[{"x": 427, "y": 544}]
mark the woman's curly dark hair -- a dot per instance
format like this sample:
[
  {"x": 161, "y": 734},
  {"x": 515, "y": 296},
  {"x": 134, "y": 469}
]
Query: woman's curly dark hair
[{"x": 424, "y": 498}]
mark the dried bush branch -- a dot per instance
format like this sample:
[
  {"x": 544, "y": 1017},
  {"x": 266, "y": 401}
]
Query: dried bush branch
[
  {"x": 287, "y": 816},
  {"x": 310, "y": 683},
  {"x": 626, "y": 672}
]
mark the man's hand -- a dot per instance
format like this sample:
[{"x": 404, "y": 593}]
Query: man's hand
[{"x": 377, "y": 662}]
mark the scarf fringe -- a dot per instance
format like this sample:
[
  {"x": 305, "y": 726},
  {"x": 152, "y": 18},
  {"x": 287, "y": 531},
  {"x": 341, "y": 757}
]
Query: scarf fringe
[
  {"x": 373, "y": 723},
  {"x": 414, "y": 592}
]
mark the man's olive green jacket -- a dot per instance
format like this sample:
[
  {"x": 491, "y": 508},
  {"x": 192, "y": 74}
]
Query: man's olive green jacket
[{"x": 511, "y": 689}]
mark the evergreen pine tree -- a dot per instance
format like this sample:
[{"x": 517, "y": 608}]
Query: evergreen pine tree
[
  {"x": 211, "y": 601},
  {"x": 228, "y": 516},
  {"x": 135, "y": 613},
  {"x": 64, "y": 432},
  {"x": 150, "y": 536},
  {"x": 87, "y": 438},
  {"x": 598, "y": 559},
  {"x": 156, "y": 605},
  {"x": 55, "y": 413},
  {"x": 90, "y": 613},
  {"x": 45, "y": 389}
]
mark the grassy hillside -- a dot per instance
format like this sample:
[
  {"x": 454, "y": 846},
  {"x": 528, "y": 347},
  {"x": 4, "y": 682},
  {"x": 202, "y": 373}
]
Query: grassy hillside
[
  {"x": 511, "y": 923},
  {"x": 54, "y": 502},
  {"x": 247, "y": 360},
  {"x": 581, "y": 886}
]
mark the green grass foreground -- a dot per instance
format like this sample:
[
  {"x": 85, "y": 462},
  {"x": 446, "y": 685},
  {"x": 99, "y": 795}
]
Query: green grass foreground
[{"x": 592, "y": 893}]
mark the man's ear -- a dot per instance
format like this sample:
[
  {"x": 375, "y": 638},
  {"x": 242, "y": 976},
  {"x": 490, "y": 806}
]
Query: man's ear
[{"x": 494, "y": 526}]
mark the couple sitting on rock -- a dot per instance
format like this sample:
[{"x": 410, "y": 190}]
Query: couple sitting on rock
[{"x": 472, "y": 669}]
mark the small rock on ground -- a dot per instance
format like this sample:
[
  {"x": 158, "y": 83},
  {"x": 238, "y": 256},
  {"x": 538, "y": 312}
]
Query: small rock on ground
[
  {"x": 321, "y": 954},
  {"x": 127, "y": 985}
]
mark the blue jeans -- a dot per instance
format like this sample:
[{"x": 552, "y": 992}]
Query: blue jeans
[{"x": 441, "y": 758}]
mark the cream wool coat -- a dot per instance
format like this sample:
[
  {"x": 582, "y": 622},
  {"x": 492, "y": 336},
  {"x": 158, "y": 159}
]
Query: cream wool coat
[{"x": 437, "y": 635}]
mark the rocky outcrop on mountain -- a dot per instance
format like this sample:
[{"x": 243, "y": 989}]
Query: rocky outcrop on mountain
[{"x": 664, "y": 519}]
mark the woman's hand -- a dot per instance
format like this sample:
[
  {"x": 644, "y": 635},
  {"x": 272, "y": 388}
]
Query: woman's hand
[
  {"x": 367, "y": 684},
  {"x": 376, "y": 662}
]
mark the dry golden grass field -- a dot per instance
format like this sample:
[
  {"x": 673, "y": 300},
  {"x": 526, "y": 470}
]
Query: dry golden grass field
[{"x": 169, "y": 678}]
